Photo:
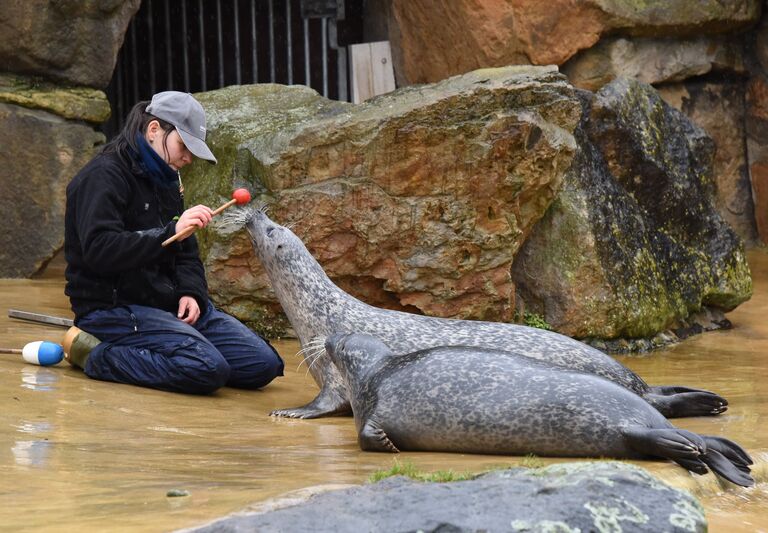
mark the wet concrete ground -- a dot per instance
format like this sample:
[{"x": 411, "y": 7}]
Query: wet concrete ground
[{"x": 82, "y": 455}]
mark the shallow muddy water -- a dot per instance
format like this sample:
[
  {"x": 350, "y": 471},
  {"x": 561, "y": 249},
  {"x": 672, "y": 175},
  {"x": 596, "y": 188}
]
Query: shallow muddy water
[{"x": 82, "y": 455}]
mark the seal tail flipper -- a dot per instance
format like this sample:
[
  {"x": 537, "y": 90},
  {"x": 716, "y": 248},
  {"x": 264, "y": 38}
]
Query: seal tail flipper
[
  {"x": 691, "y": 451},
  {"x": 676, "y": 402},
  {"x": 372, "y": 438},
  {"x": 732, "y": 451}
]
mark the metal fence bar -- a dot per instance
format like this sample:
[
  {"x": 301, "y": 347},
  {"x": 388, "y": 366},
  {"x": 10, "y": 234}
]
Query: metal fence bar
[
  {"x": 271, "y": 42},
  {"x": 324, "y": 24},
  {"x": 184, "y": 48},
  {"x": 168, "y": 48},
  {"x": 307, "y": 77},
  {"x": 201, "y": 27},
  {"x": 151, "y": 34},
  {"x": 238, "y": 78},
  {"x": 254, "y": 44},
  {"x": 289, "y": 40},
  {"x": 220, "y": 43}
]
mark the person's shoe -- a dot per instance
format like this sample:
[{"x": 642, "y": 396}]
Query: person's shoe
[{"x": 77, "y": 346}]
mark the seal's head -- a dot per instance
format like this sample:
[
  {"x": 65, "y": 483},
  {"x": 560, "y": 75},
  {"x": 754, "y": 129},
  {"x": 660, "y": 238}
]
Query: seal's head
[
  {"x": 355, "y": 353},
  {"x": 277, "y": 247}
]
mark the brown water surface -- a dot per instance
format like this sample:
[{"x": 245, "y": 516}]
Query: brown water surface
[{"x": 82, "y": 455}]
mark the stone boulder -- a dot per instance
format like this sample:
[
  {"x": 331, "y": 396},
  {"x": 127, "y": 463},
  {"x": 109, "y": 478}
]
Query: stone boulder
[
  {"x": 41, "y": 153},
  {"x": 653, "y": 61},
  {"x": 432, "y": 40},
  {"x": 73, "y": 41},
  {"x": 598, "y": 496},
  {"x": 75, "y": 103},
  {"x": 632, "y": 244},
  {"x": 417, "y": 200}
]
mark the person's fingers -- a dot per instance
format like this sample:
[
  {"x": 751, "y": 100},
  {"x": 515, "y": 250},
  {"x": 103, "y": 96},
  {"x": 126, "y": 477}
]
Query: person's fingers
[{"x": 183, "y": 308}]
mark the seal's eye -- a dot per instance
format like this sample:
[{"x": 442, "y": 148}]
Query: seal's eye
[{"x": 270, "y": 230}]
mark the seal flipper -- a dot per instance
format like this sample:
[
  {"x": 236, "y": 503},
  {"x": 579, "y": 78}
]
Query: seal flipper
[
  {"x": 327, "y": 403},
  {"x": 677, "y": 402},
  {"x": 373, "y": 439},
  {"x": 691, "y": 451}
]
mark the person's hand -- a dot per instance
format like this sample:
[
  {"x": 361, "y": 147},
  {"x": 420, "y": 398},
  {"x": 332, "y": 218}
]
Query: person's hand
[
  {"x": 194, "y": 217},
  {"x": 189, "y": 311}
]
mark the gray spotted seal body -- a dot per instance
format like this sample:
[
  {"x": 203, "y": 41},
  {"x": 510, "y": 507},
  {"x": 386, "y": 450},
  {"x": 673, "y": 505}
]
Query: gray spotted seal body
[
  {"x": 317, "y": 308},
  {"x": 476, "y": 400}
]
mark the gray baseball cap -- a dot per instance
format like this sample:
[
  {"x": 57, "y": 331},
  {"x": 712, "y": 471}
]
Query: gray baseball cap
[{"x": 187, "y": 115}]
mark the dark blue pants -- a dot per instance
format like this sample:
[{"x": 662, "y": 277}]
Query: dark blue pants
[{"x": 152, "y": 348}]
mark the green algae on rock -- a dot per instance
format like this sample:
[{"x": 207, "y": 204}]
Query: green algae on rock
[
  {"x": 73, "y": 103},
  {"x": 633, "y": 243}
]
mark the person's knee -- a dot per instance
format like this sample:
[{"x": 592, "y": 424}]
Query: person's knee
[
  {"x": 201, "y": 369},
  {"x": 211, "y": 379},
  {"x": 259, "y": 371}
]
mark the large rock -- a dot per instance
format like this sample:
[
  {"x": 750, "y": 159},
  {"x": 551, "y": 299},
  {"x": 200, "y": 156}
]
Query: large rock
[
  {"x": 633, "y": 243},
  {"x": 600, "y": 496},
  {"x": 435, "y": 39},
  {"x": 417, "y": 200},
  {"x": 41, "y": 153},
  {"x": 653, "y": 61},
  {"x": 72, "y": 41},
  {"x": 74, "y": 103}
]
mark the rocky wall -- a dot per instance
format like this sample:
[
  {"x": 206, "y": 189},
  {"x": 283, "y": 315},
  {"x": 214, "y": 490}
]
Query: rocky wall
[
  {"x": 55, "y": 60},
  {"x": 689, "y": 44}
]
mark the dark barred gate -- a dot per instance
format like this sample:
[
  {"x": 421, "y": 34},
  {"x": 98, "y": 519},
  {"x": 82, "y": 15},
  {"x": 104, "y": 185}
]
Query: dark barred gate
[{"x": 201, "y": 45}]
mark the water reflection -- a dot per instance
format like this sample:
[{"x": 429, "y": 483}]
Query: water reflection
[
  {"x": 38, "y": 378},
  {"x": 31, "y": 452}
]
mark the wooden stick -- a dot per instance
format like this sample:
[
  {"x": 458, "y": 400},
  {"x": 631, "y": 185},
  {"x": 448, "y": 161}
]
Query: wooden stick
[
  {"x": 40, "y": 318},
  {"x": 10, "y": 350},
  {"x": 190, "y": 230}
]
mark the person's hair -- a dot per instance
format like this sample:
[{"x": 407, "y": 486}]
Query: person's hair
[{"x": 136, "y": 124}]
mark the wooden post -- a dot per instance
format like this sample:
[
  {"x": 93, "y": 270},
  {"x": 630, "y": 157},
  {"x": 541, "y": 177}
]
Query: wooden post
[{"x": 371, "y": 69}]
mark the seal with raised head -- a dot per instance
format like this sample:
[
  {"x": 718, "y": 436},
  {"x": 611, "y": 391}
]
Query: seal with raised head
[
  {"x": 316, "y": 307},
  {"x": 476, "y": 400}
]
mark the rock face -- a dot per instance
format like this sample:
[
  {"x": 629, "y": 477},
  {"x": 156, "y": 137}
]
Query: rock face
[
  {"x": 757, "y": 125},
  {"x": 417, "y": 200},
  {"x": 41, "y": 152},
  {"x": 463, "y": 35},
  {"x": 653, "y": 60},
  {"x": 76, "y": 103},
  {"x": 718, "y": 107},
  {"x": 600, "y": 496},
  {"x": 632, "y": 244},
  {"x": 596, "y": 41},
  {"x": 74, "y": 41}
]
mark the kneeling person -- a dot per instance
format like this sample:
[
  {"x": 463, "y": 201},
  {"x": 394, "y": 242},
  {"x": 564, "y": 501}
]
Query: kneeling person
[{"x": 142, "y": 311}]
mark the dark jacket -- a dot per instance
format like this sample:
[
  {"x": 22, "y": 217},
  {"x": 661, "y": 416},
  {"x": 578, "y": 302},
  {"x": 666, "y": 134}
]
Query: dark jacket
[{"x": 116, "y": 219}]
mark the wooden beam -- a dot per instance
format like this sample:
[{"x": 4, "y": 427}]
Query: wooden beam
[{"x": 371, "y": 69}]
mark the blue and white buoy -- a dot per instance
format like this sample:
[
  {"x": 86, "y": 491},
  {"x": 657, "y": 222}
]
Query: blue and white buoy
[{"x": 42, "y": 353}]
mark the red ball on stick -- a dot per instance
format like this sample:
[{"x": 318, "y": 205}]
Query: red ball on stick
[{"x": 241, "y": 196}]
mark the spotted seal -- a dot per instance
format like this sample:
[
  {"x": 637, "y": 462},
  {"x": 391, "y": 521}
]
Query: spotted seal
[
  {"x": 316, "y": 308},
  {"x": 476, "y": 400}
]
